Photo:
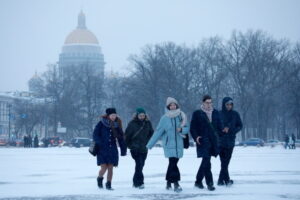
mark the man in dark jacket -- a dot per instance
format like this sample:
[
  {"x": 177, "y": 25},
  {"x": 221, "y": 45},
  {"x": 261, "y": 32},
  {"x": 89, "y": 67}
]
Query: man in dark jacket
[
  {"x": 205, "y": 127},
  {"x": 29, "y": 141},
  {"x": 293, "y": 141},
  {"x": 36, "y": 141},
  {"x": 232, "y": 125},
  {"x": 286, "y": 141},
  {"x": 138, "y": 133}
]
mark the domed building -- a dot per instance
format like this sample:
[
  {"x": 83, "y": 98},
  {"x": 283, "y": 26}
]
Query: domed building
[{"x": 81, "y": 47}]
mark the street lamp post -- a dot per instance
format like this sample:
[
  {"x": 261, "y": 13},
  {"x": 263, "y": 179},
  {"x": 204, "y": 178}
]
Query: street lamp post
[{"x": 9, "y": 116}]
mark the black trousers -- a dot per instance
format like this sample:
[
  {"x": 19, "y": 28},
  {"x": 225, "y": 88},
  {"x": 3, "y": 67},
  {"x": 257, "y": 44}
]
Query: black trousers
[
  {"x": 173, "y": 174},
  {"x": 205, "y": 171},
  {"x": 139, "y": 158},
  {"x": 225, "y": 156}
]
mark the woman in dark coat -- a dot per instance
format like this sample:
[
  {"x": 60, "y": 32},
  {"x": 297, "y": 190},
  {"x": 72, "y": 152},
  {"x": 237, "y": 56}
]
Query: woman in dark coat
[
  {"x": 138, "y": 133},
  {"x": 205, "y": 129},
  {"x": 106, "y": 135}
]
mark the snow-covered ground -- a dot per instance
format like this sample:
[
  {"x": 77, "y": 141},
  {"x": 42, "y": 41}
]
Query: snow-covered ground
[{"x": 70, "y": 173}]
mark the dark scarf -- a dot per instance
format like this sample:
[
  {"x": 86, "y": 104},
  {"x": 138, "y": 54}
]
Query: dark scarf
[{"x": 114, "y": 125}]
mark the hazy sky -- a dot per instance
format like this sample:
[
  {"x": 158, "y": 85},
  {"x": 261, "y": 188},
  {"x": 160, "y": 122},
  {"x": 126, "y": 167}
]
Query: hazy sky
[{"x": 32, "y": 32}]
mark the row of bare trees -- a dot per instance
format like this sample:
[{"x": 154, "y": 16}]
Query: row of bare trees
[
  {"x": 260, "y": 73},
  {"x": 71, "y": 97}
]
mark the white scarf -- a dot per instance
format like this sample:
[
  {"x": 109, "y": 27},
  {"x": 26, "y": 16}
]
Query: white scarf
[
  {"x": 176, "y": 113},
  {"x": 208, "y": 111}
]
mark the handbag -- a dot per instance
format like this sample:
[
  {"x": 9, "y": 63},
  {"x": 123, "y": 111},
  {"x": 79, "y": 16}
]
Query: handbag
[
  {"x": 186, "y": 139},
  {"x": 93, "y": 149}
]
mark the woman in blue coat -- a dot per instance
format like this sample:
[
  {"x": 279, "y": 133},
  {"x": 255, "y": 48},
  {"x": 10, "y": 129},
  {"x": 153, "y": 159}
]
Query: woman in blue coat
[
  {"x": 106, "y": 135},
  {"x": 172, "y": 128}
]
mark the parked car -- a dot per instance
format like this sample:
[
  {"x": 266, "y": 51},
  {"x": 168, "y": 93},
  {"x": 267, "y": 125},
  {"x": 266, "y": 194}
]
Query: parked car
[
  {"x": 3, "y": 141},
  {"x": 253, "y": 142},
  {"x": 297, "y": 143},
  {"x": 55, "y": 141},
  {"x": 192, "y": 143},
  {"x": 158, "y": 144},
  {"x": 273, "y": 143},
  {"x": 51, "y": 142},
  {"x": 16, "y": 142},
  {"x": 81, "y": 142}
]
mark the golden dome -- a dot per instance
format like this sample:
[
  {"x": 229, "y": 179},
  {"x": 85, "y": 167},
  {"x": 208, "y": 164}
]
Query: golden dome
[{"x": 81, "y": 35}]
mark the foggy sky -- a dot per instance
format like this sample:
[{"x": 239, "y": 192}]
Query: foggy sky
[{"x": 32, "y": 32}]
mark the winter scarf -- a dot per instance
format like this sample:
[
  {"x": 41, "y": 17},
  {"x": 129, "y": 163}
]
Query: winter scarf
[
  {"x": 208, "y": 111},
  {"x": 114, "y": 125},
  {"x": 175, "y": 113}
]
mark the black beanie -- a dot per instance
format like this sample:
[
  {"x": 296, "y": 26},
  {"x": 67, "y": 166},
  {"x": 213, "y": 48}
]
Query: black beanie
[{"x": 110, "y": 111}]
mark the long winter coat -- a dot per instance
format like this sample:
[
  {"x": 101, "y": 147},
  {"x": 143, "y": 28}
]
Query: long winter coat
[
  {"x": 107, "y": 143},
  {"x": 232, "y": 120},
  {"x": 137, "y": 134},
  {"x": 200, "y": 126},
  {"x": 172, "y": 141}
]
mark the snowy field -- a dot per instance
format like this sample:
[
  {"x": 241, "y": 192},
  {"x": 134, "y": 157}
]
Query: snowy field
[{"x": 70, "y": 174}]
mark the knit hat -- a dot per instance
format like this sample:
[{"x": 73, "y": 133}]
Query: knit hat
[
  {"x": 140, "y": 110},
  {"x": 171, "y": 100},
  {"x": 110, "y": 111}
]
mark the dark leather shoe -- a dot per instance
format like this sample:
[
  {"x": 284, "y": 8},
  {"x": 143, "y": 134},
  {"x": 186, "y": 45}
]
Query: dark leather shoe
[
  {"x": 177, "y": 187},
  {"x": 199, "y": 185},
  {"x": 229, "y": 183},
  {"x": 211, "y": 188}
]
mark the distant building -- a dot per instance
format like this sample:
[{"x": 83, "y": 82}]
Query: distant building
[
  {"x": 81, "y": 47},
  {"x": 8, "y": 116},
  {"x": 6, "y": 101}
]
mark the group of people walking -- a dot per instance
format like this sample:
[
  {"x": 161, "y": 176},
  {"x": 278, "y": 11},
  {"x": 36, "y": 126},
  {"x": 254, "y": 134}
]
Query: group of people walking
[
  {"x": 213, "y": 131},
  {"x": 290, "y": 141},
  {"x": 28, "y": 141}
]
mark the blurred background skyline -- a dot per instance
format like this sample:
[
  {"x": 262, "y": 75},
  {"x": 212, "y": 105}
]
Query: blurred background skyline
[{"x": 33, "y": 32}]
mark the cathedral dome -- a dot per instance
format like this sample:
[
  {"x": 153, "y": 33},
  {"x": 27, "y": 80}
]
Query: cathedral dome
[{"x": 81, "y": 35}]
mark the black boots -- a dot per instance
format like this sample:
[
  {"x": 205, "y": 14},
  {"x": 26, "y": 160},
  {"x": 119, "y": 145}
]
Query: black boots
[
  {"x": 108, "y": 185},
  {"x": 199, "y": 185},
  {"x": 221, "y": 183},
  {"x": 100, "y": 182},
  {"x": 177, "y": 187},
  {"x": 139, "y": 186},
  {"x": 229, "y": 183},
  {"x": 169, "y": 186},
  {"x": 211, "y": 188},
  {"x": 225, "y": 183}
]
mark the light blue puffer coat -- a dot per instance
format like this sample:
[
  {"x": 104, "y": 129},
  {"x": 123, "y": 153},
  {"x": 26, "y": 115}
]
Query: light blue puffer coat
[{"x": 172, "y": 141}]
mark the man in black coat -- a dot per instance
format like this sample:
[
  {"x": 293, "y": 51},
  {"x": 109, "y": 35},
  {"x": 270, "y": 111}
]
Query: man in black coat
[
  {"x": 138, "y": 134},
  {"x": 293, "y": 141},
  {"x": 205, "y": 127},
  {"x": 232, "y": 125},
  {"x": 36, "y": 141}
]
